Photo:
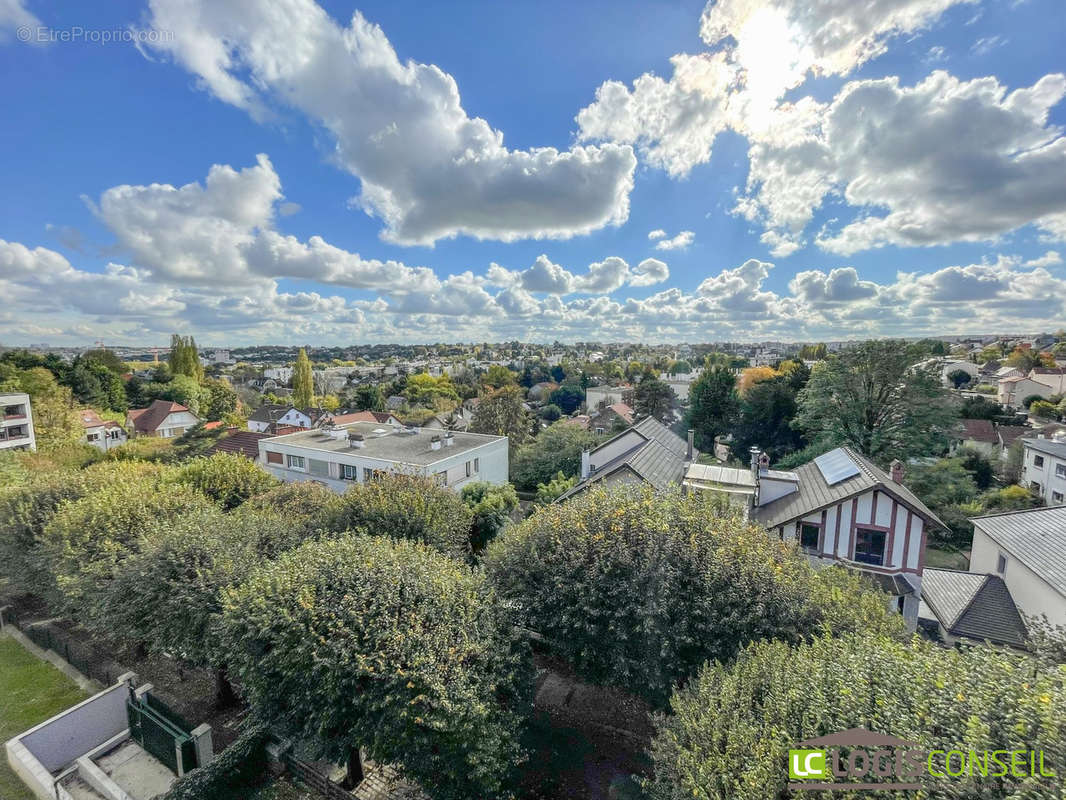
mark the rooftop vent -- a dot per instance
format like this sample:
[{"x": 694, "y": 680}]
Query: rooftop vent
[
  {"x": 434, "y": 443},
  {"x": 356, "y": 440},
  {"x": 449, "y": 439}
]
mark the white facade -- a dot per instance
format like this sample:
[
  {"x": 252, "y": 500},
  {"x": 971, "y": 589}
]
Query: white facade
[
  {"x": 16, "y": 422},
  {"x": 335, "y": 462},
  {"x": 279, "y": 374},
  {"x": 1032, "y": 594},
  {"x": 293, "y": 417},
  {"x": 1012, "y": 391},
  {"x": 105, "y": 437},
  {"x": 1044, "y": 469},
  {"x": 606, "y": 395}
]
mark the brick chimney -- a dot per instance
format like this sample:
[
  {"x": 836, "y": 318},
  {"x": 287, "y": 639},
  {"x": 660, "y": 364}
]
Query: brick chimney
[{"x": 896, "y": 471}]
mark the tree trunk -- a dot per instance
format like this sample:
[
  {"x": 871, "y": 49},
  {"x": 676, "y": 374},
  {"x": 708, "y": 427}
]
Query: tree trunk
[
  {"x": 224, "y": 694},
  {"x": 355, "y": 769}
]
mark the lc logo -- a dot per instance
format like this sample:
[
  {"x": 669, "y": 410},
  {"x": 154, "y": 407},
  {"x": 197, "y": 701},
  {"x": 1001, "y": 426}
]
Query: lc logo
[{"x": 806, "y": 764}]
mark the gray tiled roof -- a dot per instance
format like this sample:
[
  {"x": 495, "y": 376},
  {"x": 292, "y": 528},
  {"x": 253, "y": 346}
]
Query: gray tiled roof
[
  {"x": 815, "y": 494},
  {"x": 1049, "y": 446},
  {"x": 1036, "y": 537},
  {"x": 973, "y": 605}
]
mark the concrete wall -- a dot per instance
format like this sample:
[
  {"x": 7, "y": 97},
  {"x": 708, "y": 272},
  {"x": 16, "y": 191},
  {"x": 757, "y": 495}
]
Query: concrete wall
[
  {"x": 61, "y": 740},
  {"x": 1031, "y": 593}
]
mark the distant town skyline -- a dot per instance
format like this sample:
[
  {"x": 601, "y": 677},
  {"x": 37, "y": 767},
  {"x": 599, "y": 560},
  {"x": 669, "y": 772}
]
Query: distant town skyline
[{"x": 341, "y": 172}]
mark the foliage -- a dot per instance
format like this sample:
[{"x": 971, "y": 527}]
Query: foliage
[
  {"x": 654, "y": 398},
  {"x": 949, "y": 489},
  {"x": 713, "y": 405},
  {"x": 559, "y": 485},
  {"x": 637, "y": 589},
  {"x": 980, "y": 408},
  {"x": 195, "y": 441},
  {"x": 557, "y": 449},
  {"x": 1025, "y": 359},
  {"x": 303, "y": 387},
  {"x": 766, "y": 413},
  {"x": 219, "y": 399},
  {"x": 1028, "y": 400},
  {"x": 181, "y": 389},
  {"x": 226, "y": 478},
  {"x": 308, "y": 504},
  {"x": 425, "y": 390},
  {"x": 185, "y": 358},
  {"x": 406, "y": 507},
  {"x": 497, "y": 376},
  {"x": 387, "y": 646},
  {"x": 978, "y": 465},
  {"x": 568, "y": 397},
  {"x": 231, "y": 775},
  {"x": 145, "y": 448},
  {"x": 501, "y": 413},
  {"x": 1010, "y": 498},
  {"x": 1044, "y": 409},
  {"x": 752, "y": 376},
  {"x": 55, "y": 423},
  {"x": 959, "y": 378},
  {"x": 491, "y": 505},
  {"x": 876, "y": 398},
  {"x": 732, "y": 727},
  {"x": 368, "y": 397},
  {"x": 550, "y": 413}
]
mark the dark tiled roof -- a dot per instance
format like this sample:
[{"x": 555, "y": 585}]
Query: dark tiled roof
[
  {"x": 973, "y": 605},
  {"x": 979, "y": 430},
  {"x": 148, "y": 420},
  {"x": 1008, "y": 433},
  {"x": 245, "y": 443},
  {"x": 1049, "y": 446},
  {"x": 815, "y": 494},
  {"x": 269, "y": 412},
  {"x": 1036, "y": 537}
]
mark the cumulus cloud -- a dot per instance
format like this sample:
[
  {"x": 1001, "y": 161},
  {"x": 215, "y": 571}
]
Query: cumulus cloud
[
  {"x": 426, "y": 168},
  {"x": 15, "y": 15},
  {"x": 679, "y": 242},
  {"x": 602, "y": 277},
  {"x": 658, "y": 233}
]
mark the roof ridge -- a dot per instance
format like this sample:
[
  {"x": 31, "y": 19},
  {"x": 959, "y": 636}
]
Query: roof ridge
[{"x": 1018, "y": 511}]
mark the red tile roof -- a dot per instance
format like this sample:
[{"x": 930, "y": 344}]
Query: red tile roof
[
  {"x": 148, "y": 420},
  {"x": 979, "y": 430},
  {"x": 363, "y": 416},
  {"x": 244, "y": 443}
]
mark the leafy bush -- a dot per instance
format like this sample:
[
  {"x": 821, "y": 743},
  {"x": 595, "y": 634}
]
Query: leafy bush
[
  {"x": 556, "y": 449},
  {"x": 637, "y": 589},
  {"x": 388, "y": 646},
  {"x": 491, "y": 504},
  {"x": 555, "y": 488},
  {"x": 406, "y": 507},
  {"x": 308, "y": 502},
  {"x": 731, "y": 728},
  {"x": 226, "y": 478},
  {"x": 230, "y": 776}
]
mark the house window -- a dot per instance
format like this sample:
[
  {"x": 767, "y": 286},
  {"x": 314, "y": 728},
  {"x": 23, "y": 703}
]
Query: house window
[
  {"x": 373, "y": 474},
  {"x": 808, "y": 537},
  {"x": 1060, "y": 470},
  {"x": 1056, "y": 497},
  {"x": 274, "y": 458},
  {"x": 177, "y": 431},
  {"x": 1038, "y": 461},
  {"x": 477, "y": 465},
  {"x": 318, "y": 467},
  {"x": 295, "y": 462},
  {"x": 869, "y": 546},
  {"x": 1034, "y": 486},
  {"x": 349, "y": 473},
  {"x": 92, "y": 437},
  {"x": 469, "y": 468},
  {"x": 1001, "y": 564}
]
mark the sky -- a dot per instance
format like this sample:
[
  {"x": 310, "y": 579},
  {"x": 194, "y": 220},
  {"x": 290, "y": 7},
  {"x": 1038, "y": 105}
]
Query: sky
[{"x": 289, "y": 172}]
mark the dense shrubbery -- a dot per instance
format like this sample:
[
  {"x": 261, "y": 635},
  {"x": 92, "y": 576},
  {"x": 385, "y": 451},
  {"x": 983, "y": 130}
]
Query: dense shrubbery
[
  {"x": 308, "y": 502},
  {"x": 638, "y": 589},
  {"x": 556, "y": 449},
  {"x": 227, "y": 479},
  {"x": 491, "y": 505},
  {"x": 232, "y": 775},
  {"x": 732, "y": 727}
]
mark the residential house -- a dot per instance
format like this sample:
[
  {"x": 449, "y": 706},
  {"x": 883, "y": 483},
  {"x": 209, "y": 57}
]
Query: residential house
[
  {"x": 163, "y": 418},
  {"x": 970, "y": 607},
  {"x": 1044, "y": 469},
  {"x": 599, "y": 396},
  {"x": 103, "y": 434},
  {"x": 1054, "y": 377},
  {"x": 1027, "y": 549},
  {"x": 361, "y": 451},
  {"x": 540, "y": 392},
  {"x": 395, "y": 402},
  {"x": 269, "y": 416},
  {"x": 457, "y": 420},
  {"x": 648, "y": 452},
  {"x": 1012, "y": 392},
  {"x": 335, "y": 418},
  {"x": 278, "y": 374},
  {"x": 611, "y": 418},
  {"x": 16, "y": 422},
  {"x": 979, "y": 435}
]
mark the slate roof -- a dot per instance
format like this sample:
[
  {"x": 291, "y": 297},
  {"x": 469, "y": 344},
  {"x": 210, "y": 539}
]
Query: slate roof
[
  {"x": 269, "y": 412},
  {"x": 1036, "y": 537},
  {"x": 1048, "y": 446},
  {"x": 979, "y": 430},
  {"x": 659, "y": 459},
  {"x": 815, "y": 494},
  {"x": 148, "y": 420},
  {"x": 245, "y": 443},
  {"x": 973, "y": 605},
  {"x": 1008, "y": 433}
]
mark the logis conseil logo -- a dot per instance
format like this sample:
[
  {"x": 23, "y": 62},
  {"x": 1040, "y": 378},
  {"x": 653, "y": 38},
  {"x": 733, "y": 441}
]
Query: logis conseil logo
[{"x": 860, "y": 759}]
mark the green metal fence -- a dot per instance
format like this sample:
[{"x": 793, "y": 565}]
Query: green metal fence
[{"x": 159, "y": 731}]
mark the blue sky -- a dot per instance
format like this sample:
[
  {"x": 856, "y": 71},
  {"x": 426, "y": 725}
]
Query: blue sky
[{"x": 813, "y": 174}]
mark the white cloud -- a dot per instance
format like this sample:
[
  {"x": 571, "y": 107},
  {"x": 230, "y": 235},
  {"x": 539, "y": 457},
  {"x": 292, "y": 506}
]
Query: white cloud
[
  {"x": 986, "y": 44},
  {"x": 679, "y": 242},
  {"x": 602, "y": 277},
  {"x": 427, "y": 169},
  {"x": 1051, "y": 258},
  {"x": 658, "y": 233},
  {"x": 15, "y": 15}
]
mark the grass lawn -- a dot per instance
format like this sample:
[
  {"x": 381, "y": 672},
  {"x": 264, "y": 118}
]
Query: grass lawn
[
  {"x": 31, "y": 691},
  {"x": 946, "y": 559}
]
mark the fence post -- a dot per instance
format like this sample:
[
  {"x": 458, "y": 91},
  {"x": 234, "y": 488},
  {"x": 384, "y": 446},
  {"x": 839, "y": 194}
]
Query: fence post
[
  {"x": 177, "y": 756},
  {"x": 3, "y": 613},
  {"x": 201, "y": 737}
]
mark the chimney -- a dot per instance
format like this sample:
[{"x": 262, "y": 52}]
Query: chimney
[
  {"x": 434, "y": 443},
  {"x": 764, "y": 463},
  {"x": 755, "y": 452},
  {"x": 585, "y": 455},
  {"x": 691, "y": 446},
  {"x": 896, "y": 470},
  {"x": 449, "y": 439}
]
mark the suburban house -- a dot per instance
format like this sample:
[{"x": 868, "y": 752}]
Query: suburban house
[
  {"x": 238, "y": 442},
  {"x": 270, "y": 416},
  {"x": 978, "y": 434},
  {"x": 1044, "y": 468},
  {"x": 1027, "y": 549},
  {"x": 649, "y": 452},
  {"x": 1055, "y": 377},
  {"x": 610, "y": 418},
  {"x": 457, "y": 420},
  {"x": 331, "y": 418},
  {"x": 101, "y": 433},
  {"x": 970, "y": 606},
  {"x": 600, "y": 396},
  {"x": 1041, "y": 381},
  {"x": 360, "y": 451},
  {"x": 164, "y": 418},
  {"x": 16, "y": 422},
  {"x": 540, "y": 392}
]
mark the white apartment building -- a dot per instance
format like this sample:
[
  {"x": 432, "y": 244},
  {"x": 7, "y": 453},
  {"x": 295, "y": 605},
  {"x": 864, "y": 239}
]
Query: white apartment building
[
  {"x": 355, "y": 453},
  {"x": 1044, "y": 468},
  {"x": 16, "y": 422}
]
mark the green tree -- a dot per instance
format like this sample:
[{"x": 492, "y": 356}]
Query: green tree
[
  {"x": 368, "y": 397},
  {"x": 654, "y": 398},
  {"x": 496, "y": 377},
  {"x": 184, "y": 358},
  {"x": 556, "y": 449},
  {"x": 387, "y": 647},
  {"x": 303, "y": 387},
  {"x": 195, "y": 441},
  {"x": 108, "y": 359},
  {"x": 406, "y": 507},
  {"x": 568, "y": 397},
  {"x": 773, "y": 696},
  {"x": 225, "y": 478},
  {"x": 491, "y": 505},
  {"x": 713, "y": 405},
  {"x": 637, "y": 589},
  {"x": 55, "y": 423},
  {"x": 501, "y": 413},
  {"x": 950, "y": 491},
  {"x": 766, "y": 413},
  {"x": 980, "y": 408},
  {"x": 308, "y": 504},
  {"x": 550, "y": 413},
  {"x": 423, "y": 389},
  {"x": 876, "y": 398},
  {"x": 554, "y": 489},
  {"x": 220, "y": 400},
  {"x": 959, "y": 378}
]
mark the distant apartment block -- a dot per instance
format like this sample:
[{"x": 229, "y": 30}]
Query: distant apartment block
[
  {"x": 341, "y": 455},
  {"x": 16, "y": 422}
]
